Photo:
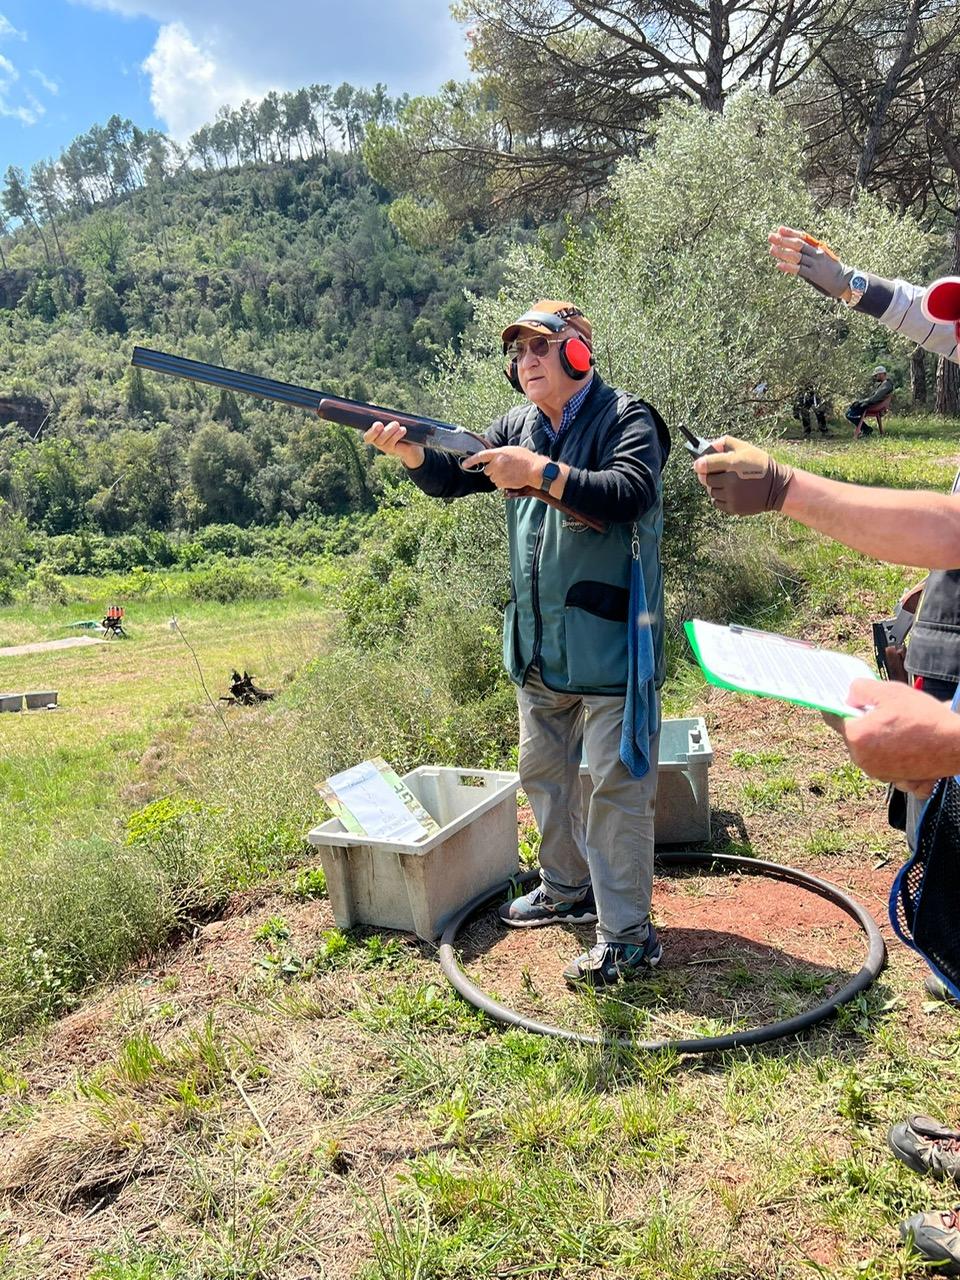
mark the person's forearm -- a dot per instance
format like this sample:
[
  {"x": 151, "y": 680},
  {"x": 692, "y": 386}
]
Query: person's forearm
[
  {"x": 898, "y": 525},
  {"x": 896, "y": 304},
  {"x": 441, "y": 476}
]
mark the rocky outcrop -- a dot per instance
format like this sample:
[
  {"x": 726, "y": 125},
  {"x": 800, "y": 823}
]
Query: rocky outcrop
[{"x": 26, "y": 411}]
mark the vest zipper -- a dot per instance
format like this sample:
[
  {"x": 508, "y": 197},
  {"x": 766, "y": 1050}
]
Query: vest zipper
[{"x": 535, "y": 598}]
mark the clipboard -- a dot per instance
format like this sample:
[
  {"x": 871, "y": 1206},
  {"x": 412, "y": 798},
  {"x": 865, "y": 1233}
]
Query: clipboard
[{"x": 769, "y": 665}]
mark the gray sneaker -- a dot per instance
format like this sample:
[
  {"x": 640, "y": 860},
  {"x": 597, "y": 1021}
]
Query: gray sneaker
[
  {"x": 537, "y": 908},
  {"x": 608, "y": 963},
  {"x": 927, "y": 1146},
  {"x": 937, "y": 1237}
]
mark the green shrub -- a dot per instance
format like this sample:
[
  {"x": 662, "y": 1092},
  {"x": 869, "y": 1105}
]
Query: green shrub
[
  {"x": 45, "y": 587},
  {"x": 225, "y": 583}
]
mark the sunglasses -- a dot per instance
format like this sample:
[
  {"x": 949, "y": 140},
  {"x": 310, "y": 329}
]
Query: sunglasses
[{"x": 537, "y": 346}]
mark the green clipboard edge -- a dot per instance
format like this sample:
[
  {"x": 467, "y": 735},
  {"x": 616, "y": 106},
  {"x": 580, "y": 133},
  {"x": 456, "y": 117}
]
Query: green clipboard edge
[{"x": 720, "y": 683}]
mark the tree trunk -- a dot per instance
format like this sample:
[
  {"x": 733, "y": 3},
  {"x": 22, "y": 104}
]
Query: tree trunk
[
  {"x": 948, "y": 386},
  {"x": 948, "y": 374},
  {"x": 918, "y": 377},
  {"x": 886, "y": 95}
]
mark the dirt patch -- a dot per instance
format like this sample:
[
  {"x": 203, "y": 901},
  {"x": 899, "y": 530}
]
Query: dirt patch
[{"x": 41, "y": 646}]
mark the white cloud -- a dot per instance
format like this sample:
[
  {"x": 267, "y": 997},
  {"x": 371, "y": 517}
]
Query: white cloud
[
  {"x": 7, "y": 29},
  {"x": 186, "y": 83},
  {"x": 212, "y": 52},
  {"x": 29, "y": 109},
  {"x": 51, "y": 86},
  {"x": 9, "y": 75}
]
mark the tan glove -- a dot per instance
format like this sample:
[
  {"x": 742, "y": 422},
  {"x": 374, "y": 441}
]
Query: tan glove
[{"x": 743, "y": 480}]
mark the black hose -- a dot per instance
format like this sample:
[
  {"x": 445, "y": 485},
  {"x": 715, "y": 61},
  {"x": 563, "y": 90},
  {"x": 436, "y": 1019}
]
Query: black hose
[{"x": 876, "y": 955}]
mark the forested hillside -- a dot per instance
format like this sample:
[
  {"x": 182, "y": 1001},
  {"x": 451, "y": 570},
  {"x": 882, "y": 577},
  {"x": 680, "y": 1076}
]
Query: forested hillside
[{"x": 264, "y": 246}]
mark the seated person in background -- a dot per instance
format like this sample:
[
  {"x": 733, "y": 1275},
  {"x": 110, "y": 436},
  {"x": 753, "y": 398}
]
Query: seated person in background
[
  {"x": 809, "y": 400},
  {"x": 881, "y": 388}
]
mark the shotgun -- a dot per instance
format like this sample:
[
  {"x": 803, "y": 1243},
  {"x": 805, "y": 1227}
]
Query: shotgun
[{"x": 430, "y": 433}]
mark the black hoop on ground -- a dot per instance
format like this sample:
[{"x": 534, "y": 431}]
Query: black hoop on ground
[{"x": 876, "y": 956}]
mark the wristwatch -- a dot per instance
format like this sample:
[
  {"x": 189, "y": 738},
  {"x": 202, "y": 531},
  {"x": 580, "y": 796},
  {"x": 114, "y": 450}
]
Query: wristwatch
[
  {"x": 550, "y": 473},
  {"x": 858, "y": 287}
]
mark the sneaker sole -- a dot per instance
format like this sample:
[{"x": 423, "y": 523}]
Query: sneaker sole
[{"x": 586, "y": 917}]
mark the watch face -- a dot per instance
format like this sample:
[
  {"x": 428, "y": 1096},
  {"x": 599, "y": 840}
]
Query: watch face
[{"x": 859, "y": 283}]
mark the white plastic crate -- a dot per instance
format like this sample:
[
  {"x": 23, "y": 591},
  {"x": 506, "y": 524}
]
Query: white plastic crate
[
  {"x": 683, "y": 792},
  {"x": 418, "y": 887}
]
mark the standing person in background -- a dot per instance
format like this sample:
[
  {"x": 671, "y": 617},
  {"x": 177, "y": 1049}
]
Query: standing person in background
[
  {"x": 583, "y": 632},
  {"x": 809, "y": 401}
]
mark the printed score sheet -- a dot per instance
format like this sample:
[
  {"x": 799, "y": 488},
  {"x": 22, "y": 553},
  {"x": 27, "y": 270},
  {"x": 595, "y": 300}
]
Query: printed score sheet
[{"x": 774, "y": 666}]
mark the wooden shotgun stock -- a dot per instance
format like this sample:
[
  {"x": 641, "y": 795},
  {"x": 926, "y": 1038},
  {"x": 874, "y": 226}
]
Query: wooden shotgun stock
[{"x": 363, "y": 417}]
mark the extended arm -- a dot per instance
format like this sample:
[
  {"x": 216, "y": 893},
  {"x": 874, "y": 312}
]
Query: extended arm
[
  {"x": 895, "y": 303},
  {"x": 901, "y": 526}
]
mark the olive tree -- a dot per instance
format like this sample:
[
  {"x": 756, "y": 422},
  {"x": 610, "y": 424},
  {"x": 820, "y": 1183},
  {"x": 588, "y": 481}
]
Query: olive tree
[{"x": 687, "y": 307}]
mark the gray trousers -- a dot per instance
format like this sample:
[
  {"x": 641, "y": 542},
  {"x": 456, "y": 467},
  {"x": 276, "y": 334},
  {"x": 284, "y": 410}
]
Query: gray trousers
[{"x": 613, "y": 849}]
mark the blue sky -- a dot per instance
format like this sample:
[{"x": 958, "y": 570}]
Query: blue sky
[{"x": 68, "y": 64}]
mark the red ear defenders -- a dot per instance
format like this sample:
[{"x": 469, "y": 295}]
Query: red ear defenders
[
  {"x": 576, "y": 358},
  {"x": 941, "y": 303}
]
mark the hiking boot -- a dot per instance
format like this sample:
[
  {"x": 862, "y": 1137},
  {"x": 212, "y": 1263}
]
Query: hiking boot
[
  {"x": 937, "y": 1237},
  {"x": 926, "y": 1146},
  {"x": 608, "y": 963},
  {"x": 537, "y": 908}
]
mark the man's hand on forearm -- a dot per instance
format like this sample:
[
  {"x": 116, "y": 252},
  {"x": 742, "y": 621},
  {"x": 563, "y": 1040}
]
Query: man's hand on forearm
[
  {"x": 906, "y": 736},
  {"x": 743, "y": 480},
  {"x": 388, "y": 438},
  {"x": 513, "y": 467}
]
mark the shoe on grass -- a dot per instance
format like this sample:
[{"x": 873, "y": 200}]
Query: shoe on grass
[
  {"x": 937, "y": 1237},
  {"x": 608, "y": 963},
  {"x": 927, "y": 1146},
  {"x": 537, "y": 908}
]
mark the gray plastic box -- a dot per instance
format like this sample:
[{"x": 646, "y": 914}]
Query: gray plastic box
[
  {"x": 418, "y": 887},
  {"x": 11, "y": 701},
  {"x": 683, "y": 793}
]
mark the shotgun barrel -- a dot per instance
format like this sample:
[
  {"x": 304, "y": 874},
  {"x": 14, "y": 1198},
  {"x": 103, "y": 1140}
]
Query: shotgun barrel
[
  {"x": 354, "y": 413},
  {"x": 429, "y": 432}
]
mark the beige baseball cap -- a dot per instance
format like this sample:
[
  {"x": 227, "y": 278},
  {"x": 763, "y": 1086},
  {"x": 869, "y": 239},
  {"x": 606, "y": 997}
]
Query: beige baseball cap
[{"x": 549, "y": 316}]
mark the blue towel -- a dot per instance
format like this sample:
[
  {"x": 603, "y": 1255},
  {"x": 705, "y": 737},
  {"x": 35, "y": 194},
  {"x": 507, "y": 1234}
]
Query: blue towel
[{"x": 641, "y": 712}]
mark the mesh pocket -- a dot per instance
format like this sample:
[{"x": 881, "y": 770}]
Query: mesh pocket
[{"x": 928, "y": 900}]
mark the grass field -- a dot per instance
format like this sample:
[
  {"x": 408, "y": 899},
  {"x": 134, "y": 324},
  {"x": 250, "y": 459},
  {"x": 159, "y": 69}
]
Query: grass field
[
  {"x": 274, "y": 1099},
  {"x": 60, "y": 773}
]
